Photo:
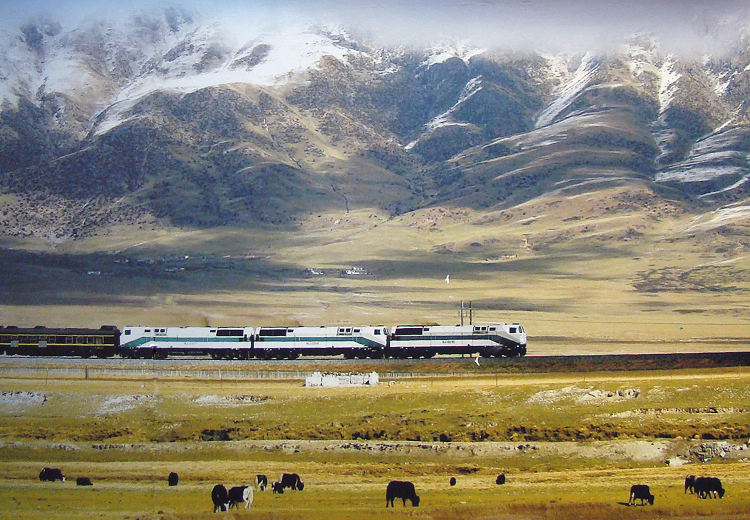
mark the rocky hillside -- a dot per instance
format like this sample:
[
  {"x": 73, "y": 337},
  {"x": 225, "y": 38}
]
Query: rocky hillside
[{"x": 169, "y": 118}]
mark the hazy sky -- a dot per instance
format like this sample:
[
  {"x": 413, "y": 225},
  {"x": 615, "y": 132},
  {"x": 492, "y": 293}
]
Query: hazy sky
[{"x": 681, "y": 25}]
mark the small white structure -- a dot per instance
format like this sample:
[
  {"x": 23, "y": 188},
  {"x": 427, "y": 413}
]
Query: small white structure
[{"x": 318, "y": 379}]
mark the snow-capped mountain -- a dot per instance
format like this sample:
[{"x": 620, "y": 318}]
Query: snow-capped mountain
[{"x": 203, "y": 122}]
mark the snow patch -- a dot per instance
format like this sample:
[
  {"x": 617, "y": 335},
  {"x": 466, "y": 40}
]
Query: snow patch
[
  {"x": 230, "y": 400},
  {"x": 473, "y": 86},
  {"x": 698, "y": 173},
  {"x": 122, "y": 403},
  {"x": 567, "y": 92},
  {"x": 719, "y": 218},
  {"x": 21, "y": 401},
  {"x": 583, "y": 395},
  {"x": 668, "y": 83},
  {"x": 442, "y": 53}
]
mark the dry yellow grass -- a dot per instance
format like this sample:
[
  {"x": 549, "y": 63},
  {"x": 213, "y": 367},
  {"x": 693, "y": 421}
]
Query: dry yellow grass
[{"x": 117, "y": 433}]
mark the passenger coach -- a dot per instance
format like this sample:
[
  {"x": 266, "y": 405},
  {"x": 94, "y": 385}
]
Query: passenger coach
[{"x": 48, "y": 341}]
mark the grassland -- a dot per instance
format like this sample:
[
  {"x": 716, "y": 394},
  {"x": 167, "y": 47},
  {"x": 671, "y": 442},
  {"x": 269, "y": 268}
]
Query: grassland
[
  {"x": 621, "y": 269},
  {"x": 570, "y": 445},
  {"x": 617, "y": 270}
]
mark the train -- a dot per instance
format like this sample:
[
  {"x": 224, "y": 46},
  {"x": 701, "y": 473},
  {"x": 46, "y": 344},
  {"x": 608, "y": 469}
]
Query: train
[{"x": 351, "y": 342}]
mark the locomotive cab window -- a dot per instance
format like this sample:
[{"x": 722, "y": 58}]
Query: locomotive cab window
[{"x": 409, "y": 331}]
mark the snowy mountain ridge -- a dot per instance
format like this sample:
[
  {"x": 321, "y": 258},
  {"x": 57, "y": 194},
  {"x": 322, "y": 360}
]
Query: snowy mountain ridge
[{"x": 297, "y": 98}]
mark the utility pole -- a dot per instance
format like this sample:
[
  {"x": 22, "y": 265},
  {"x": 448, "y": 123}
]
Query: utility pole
[{"x": 464, "y": 309}]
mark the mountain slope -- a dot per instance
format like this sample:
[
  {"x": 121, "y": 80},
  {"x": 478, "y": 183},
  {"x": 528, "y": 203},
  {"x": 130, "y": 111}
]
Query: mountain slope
[{"x": 172, "y": 118}]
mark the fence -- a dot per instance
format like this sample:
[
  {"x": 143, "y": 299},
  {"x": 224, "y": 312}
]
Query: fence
[{"x": 154, "y": 373}]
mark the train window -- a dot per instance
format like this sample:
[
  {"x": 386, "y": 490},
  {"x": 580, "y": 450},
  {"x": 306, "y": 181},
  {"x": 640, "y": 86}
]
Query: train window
[
  {"x": 377, "y": 332},
  {"x": 272, "y": 332},
  {"x": 212, "y": 331},
  {"x": 290, "y": 330},
  {"x": 147, "y": 330},
  {"x": 355, "y": 331},
  {"x": 513, "y": 330},
  {"x": 231, "y": 332},
  {"x": 492, "y": 329},
  {"x": 127, "y": 332},
  {"x": 409, "y": 331}
]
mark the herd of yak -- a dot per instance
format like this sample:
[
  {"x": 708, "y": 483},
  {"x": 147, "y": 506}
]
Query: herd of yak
[
  {"x": 702, "y": 487},
  {"x": 224, "y": 499}
]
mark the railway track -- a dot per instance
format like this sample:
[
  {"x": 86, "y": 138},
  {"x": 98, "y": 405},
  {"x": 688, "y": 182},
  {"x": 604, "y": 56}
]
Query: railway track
[{"x": 206, "y": 368}]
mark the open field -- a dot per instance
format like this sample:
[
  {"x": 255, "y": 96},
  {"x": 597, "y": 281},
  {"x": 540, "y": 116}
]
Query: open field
[
  {"x": 613, "y": 271},
  {"x": 617, "y": 271},
  {"x": 570, "y": 445}
]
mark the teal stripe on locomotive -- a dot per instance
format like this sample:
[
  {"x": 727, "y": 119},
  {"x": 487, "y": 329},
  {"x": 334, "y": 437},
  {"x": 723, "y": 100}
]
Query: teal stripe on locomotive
[
  {"x": 410, "y": 337},
  {"x": 140, "y": 341},
  {"x": 500, "y": 340},
  {"x": 316, "y": 339}
]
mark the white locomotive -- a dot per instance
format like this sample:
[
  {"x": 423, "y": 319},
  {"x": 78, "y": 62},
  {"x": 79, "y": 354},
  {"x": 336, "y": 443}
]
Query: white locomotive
[
  {"x": 161, "y": 342},
  {"x": 495, "y": 339},
  {"x": 402, "y": 341}
]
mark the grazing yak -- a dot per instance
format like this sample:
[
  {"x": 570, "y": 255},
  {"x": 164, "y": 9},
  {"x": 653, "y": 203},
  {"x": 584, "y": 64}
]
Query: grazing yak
[
  {"x": 689, "y": 483},
  {"x": 277, "y": 488},
  {"x": 708, "y": 487},
  {"x": 403, "y": 490},
  {"x": 500, "y": 480},
  {"x": 220, "y": 498},
  {"x": 453, "y": 481},
  {"x": 640, "y": 492},
  {"x": 173, "y": 479},
  {"x": 262, "y": 481},
  {"x": 239, "y": 495},
  {"x": 51, "y": 474},
  {"x": 83, "y": 481},
  {"x": 291, "y": 480}
]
